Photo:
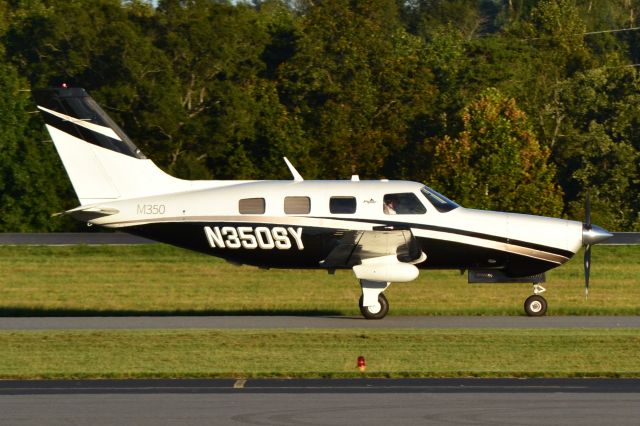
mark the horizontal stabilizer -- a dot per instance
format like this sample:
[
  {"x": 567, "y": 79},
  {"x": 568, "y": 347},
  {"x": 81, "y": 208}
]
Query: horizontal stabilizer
[{"x": 87, "y": 213}]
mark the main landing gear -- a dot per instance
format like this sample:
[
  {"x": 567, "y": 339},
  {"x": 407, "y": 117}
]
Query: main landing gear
[
  {"x": 373, "y": 303},
  {"x": 536, "y": 305},
  {"x": 378, "y": 311}
]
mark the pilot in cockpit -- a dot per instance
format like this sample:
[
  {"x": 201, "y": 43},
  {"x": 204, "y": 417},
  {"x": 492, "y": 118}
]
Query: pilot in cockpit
[{"x": 390, "y": 204}]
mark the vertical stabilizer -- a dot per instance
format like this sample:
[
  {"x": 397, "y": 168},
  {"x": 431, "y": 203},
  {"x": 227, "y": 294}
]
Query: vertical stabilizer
[{"x": 101, "y": 161}]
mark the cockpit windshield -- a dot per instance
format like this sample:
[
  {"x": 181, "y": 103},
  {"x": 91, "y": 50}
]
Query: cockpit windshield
[{"x": 439, "y": 201}]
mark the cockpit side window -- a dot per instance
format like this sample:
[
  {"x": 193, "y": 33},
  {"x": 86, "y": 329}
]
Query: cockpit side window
[{"x": 402, "y": 203}]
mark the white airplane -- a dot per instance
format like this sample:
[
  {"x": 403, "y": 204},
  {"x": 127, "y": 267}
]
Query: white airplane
[{"x": 385, "y": 231}]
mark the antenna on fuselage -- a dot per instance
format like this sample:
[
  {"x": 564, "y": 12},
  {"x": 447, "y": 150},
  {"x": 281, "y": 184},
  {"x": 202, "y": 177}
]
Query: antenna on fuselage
[{"x": 296, "y": 176}]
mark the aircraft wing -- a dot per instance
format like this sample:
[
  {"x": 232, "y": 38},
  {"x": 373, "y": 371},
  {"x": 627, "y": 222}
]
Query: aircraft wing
[{"x": 357, "y": 246}]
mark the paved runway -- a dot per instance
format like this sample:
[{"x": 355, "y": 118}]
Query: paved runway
[
  {"x": 291, "y": 322},
  {"x": 318, "y": 386},
  {"x": 322, "y": 402}
]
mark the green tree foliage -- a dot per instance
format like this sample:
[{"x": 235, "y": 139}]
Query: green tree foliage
[
  {"x": 104, "y": 49},
  {"x": 357, "y": 81},
  {"x": 496, "y": 162},
  {"x": 231, "y": 123},
  {"x": 29, "y": 189},
  {"x": 29, "y": 192},
  {"x": 471, "y": 18},
  {"x": 597, "y": 143},
  {"x": 218, "y": 89}
]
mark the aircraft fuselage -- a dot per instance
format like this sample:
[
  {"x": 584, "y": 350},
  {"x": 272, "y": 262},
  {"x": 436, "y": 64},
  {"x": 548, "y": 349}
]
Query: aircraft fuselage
[{"x": 290, "y": 224}]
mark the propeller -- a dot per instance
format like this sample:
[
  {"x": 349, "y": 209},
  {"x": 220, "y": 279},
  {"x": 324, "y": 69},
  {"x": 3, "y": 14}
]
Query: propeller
[
  {"x": 591, "y": 234},
  {"x": 587, "y": 251}
]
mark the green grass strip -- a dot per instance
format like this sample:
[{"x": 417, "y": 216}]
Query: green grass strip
[
  {"x": 320, "y": 353},
  {"x": 163, "y": 280}
]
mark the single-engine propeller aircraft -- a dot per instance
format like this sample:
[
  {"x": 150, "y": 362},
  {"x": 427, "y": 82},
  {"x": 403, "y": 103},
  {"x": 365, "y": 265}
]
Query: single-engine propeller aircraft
[{"x": 385, "y": 231}]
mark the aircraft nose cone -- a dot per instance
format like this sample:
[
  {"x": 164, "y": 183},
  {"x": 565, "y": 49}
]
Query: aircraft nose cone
[{"x": 594, "y": 234}]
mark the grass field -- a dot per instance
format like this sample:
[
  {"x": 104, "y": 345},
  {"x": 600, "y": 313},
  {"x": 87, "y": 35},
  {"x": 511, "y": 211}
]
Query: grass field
[
  {"x": 319, "y": 353},
  {"x": 159, "y": 280}
]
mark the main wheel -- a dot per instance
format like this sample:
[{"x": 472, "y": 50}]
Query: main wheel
[
  {"x": 374, "y": 312},
  {"x": 535, "y": 306}
]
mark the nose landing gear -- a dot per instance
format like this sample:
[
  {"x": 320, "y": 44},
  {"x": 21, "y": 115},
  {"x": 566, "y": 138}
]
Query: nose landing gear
[{"x": 536, "y": 305}]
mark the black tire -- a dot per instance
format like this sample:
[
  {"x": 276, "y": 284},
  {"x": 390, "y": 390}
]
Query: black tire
[
  {"x": 384, "y": 308},
  {"x": 535, "y": 306}
]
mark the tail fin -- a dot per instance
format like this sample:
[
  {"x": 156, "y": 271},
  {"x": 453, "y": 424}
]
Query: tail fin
[{"x": 101, "y": 161}]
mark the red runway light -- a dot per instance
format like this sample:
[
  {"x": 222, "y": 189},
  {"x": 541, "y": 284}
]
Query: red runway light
[{"x": 361, "y": 363}]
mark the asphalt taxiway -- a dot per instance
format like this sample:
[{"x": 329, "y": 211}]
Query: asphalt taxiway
[
  {"x": 322, "y": 402},
  {"x": 319, "y": 386},
  {"x": 301, "y": 322}
]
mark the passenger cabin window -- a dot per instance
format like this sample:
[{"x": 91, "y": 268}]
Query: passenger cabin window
[
  {"x": 402, "y": 203},
  {"x": 251, "y": 206},
  {"x": 344, "y": 205},
  {"x": 297, "y": 205}
]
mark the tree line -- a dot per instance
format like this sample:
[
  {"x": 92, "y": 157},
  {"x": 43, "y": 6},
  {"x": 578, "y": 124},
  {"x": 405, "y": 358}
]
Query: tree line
[{"x": 516, "y": 105}]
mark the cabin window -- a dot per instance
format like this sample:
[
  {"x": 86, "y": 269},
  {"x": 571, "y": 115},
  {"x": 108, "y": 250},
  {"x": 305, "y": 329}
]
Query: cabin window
[
  {"x": 402, "y": 203},
  {"x": 251, "y": 206},
  {"x": 344, "y": 205},
  {"x": 297, "y": 205}
]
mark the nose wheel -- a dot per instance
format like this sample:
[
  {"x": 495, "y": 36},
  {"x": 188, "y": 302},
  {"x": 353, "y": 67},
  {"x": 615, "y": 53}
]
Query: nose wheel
[{"x": 536, "y": 305}]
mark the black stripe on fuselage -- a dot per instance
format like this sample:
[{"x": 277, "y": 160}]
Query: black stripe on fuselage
[
  {"x": 383, "y": 224},
  {"x": 320, "y": 241}
]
